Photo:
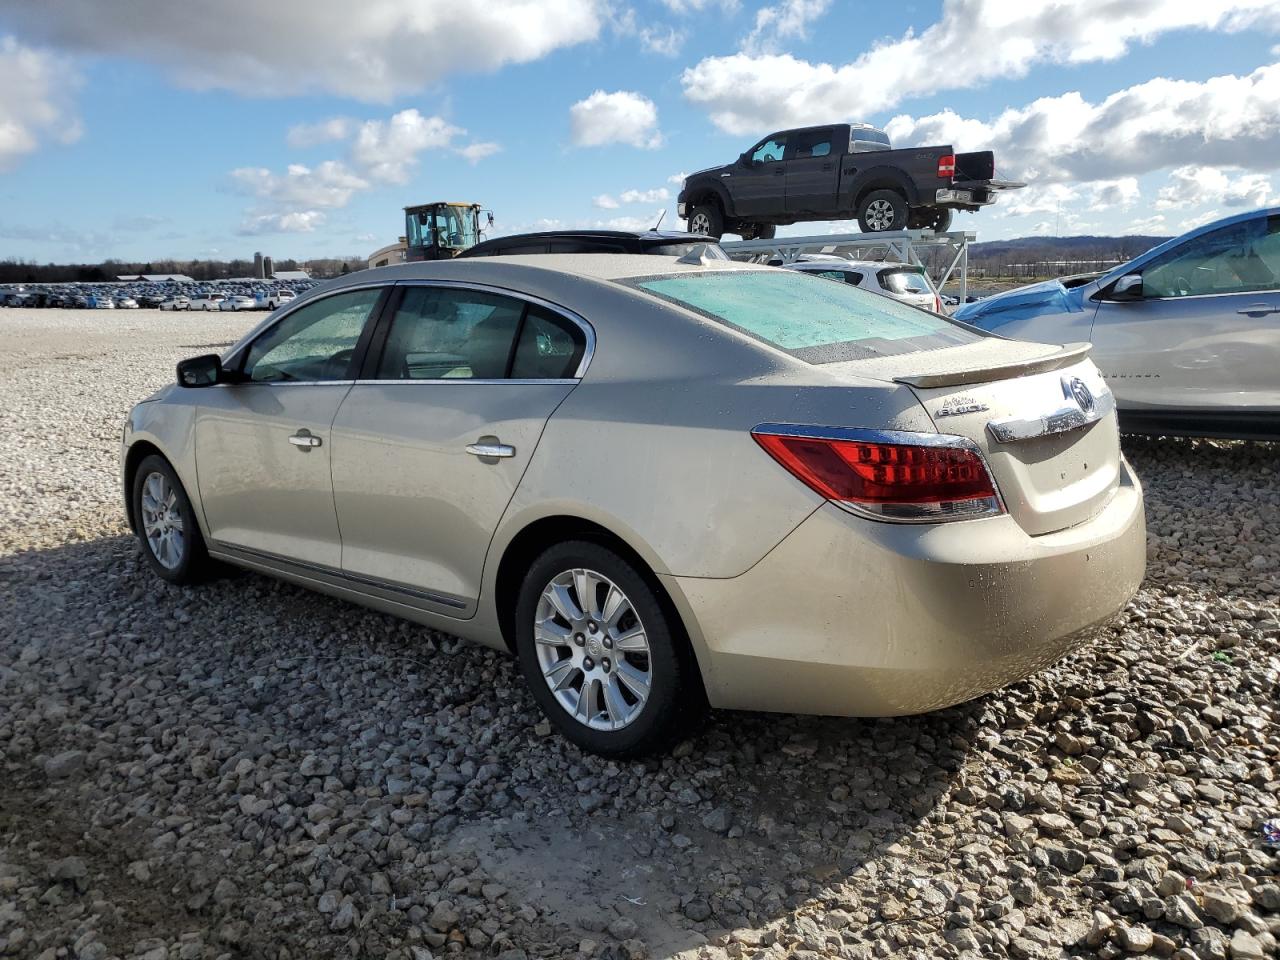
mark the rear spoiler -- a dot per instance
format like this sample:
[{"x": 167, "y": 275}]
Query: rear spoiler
[{"x": 1063, "y": 357}]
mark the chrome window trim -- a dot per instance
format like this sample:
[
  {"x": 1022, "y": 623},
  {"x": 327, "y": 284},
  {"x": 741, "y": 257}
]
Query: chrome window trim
[
  {"x": 588, "y": 331},
  {"x": 909, "y": 437},
  {"x": 1271, "y": 292},
  {"x": 286, "y": 383},
  {"x": 489, "y": 380}
]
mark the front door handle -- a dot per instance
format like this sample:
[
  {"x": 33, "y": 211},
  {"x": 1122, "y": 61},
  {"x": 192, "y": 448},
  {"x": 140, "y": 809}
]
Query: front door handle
[
  {"x": 1258, "y": 310},
  {"x": 491, "y": 448},
  {"x": 305, "y": 440}
]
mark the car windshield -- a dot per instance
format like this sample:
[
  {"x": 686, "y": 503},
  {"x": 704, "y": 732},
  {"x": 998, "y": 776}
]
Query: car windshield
[
  {"x": 809, "y": 318},
  {"x": 904, "y": 281}
]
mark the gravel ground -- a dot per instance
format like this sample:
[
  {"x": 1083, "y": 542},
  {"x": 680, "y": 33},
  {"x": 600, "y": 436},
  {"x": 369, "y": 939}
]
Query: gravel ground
[{"x": 249, "y": 770}]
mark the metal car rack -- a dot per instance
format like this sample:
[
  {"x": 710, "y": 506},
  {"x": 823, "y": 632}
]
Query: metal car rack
[{"x": 947, "y": 253}]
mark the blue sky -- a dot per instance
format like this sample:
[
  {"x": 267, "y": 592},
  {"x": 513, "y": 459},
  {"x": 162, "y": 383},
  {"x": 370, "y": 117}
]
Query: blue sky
[{"x": 154, "y": 129}]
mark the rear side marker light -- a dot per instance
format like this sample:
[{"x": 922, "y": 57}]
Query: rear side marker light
[
  {"x": 947, "y": 166},
  {"x": 889, "y": 475}
]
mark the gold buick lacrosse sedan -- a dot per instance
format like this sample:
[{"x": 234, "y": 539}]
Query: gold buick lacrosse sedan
[{"x": 660, "y": 483}]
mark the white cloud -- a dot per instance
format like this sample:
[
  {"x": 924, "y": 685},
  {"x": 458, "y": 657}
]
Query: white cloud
[
  {"x": 475, "y": 152},
  {"x": 329, "y": 184},
  {"x": 35, "y": 101},
  {"x": 380, "y": 152},
  {"x": 1147, "y": 225},
  {"x": 677, "y": 178},
  {"x": 609, "y": 202},
  {"x": 1121, "y": 192},
  {"x": 656, "y": 195},
  {"x": 619, "y": 117},
  {"x": 664, "y": 41},
  {"x": 686, "y": 7},
  {"x": 384, "y": 49},
  {"x": 387, "y": 150},
  {"x": 789, "y": 20},
  {"x": 973, "y": 42},
  {"x": 298, "y": 221},
  {"x": 1223, "y": 121},
  {"x": 1192, "y": 186},
  {"x": 325, "y": 131}
]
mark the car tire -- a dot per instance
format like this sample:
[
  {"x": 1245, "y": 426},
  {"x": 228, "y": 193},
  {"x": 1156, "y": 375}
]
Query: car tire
[
  {"x": 160, "y": 504},
  {"x": 653, "y": 692},
  {"x": 761, "y": 231},
  {"x": 883, "y": 210},
  {"x": 707, "y": 220}
]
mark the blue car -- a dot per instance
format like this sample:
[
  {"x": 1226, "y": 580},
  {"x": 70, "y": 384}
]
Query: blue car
[{"x": 1187, "y": 335}]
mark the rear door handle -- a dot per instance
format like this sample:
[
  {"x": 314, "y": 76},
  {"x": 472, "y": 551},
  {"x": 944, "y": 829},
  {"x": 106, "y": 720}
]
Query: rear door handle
[
  {"x": 304, "y": 440},
  {"x": 491, "y": 449},
  {"x": 1258, "y": 310}
]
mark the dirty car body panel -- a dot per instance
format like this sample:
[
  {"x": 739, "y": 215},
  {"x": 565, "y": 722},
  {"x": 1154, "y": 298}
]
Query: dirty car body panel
[
  {"x": 669, "y": 435},
  {"x": 1187, "y": 335}
]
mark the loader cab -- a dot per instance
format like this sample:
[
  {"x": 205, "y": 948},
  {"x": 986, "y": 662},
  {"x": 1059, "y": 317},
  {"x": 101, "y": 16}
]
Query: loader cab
[{"x": 441, "y": 231}]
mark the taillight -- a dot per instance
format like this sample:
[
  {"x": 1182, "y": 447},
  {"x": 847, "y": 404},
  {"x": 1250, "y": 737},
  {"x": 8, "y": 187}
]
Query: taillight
[
  {"x": 947, "y": 166},
  {"x": 891, "y": 475}
]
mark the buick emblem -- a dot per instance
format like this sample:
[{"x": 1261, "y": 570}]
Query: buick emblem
[{"x": 1077, "y": 390}]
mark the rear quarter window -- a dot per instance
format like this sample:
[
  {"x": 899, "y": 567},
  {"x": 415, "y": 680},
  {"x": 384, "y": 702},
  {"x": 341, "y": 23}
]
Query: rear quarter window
[{"x": 808, "y": 317}]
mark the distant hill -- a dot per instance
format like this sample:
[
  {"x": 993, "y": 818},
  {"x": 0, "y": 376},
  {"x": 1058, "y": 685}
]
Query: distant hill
[
  {"x": 1065, "y": 248},
  {"x": 1055, "y": 256}
]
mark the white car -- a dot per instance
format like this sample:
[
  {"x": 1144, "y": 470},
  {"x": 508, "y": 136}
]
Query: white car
[
  {"x": 237, "y": 301},
  {"x": 126, "y": 303},
  {"x": 207, "y": 301},
  {"x": 275, "y": 298},
  {"x": 176, "y": 302},
  {"x": 901, "y": 281}
]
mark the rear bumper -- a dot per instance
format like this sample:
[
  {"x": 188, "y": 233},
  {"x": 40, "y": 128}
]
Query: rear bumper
[{"x": 853, "y": 617}]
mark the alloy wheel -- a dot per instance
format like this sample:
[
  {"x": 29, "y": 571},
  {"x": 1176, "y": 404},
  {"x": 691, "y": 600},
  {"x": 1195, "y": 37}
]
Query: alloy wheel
[
  {"x": 592, "y": 650},
  {"x": 879, "y": 214},
  {"x": 162, "y": 521},
  {"x": 700, "y": 223}
]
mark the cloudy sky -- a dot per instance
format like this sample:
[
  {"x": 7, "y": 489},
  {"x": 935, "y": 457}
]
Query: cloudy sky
[{"x": 145, "y": 129}]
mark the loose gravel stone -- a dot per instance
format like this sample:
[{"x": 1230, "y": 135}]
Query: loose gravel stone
[{"x": 245, "y": 769}]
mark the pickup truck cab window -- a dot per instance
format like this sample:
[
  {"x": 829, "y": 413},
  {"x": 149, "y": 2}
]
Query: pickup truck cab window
[{"x": 769, "y": 151}]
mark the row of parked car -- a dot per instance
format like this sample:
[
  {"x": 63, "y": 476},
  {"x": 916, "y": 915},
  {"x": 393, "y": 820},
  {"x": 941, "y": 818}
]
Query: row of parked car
[{"x": 178, "y": 295}]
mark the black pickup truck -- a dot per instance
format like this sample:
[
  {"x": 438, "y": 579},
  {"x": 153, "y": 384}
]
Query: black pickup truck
[{"x": 833, "y": 173}]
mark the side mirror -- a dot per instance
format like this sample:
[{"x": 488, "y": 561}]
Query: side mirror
[
  {"x": 1128, "y": 287},
  {"x": 202, "y": 371}
]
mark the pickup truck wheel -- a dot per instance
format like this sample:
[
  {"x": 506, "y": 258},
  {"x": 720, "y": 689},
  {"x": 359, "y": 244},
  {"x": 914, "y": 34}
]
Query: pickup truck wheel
[
  {"x": 707, "y": 220},
  {"x": 938, "y": 219},
  {"x": 883, "y": 210},
  {"x": 764, "y": 231}
]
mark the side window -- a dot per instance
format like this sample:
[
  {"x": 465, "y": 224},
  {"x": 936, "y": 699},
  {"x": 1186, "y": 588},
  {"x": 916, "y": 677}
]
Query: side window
[
  {"x": 1240, "y": 258},
  {"x": 550, "y": 347},
  {"x": 442, "y": 333},
  {"x": 769, "y": 151},
  {"x": 816, "y": 144},
  {"x": 314, "y": 342}
]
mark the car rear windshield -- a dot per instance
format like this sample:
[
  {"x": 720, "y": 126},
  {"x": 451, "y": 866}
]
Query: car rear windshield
[
  {"x": 712, "y": 251},
  {"x": 810, "y": 318},
  {"x": 904, "y": 281}
]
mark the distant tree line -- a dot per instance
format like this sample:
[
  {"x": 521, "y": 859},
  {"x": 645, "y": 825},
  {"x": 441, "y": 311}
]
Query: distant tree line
[{"x": 24, "y": 271}]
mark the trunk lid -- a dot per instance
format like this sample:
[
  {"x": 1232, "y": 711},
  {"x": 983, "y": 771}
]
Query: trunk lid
[{"x": 1041, "y": 415}]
